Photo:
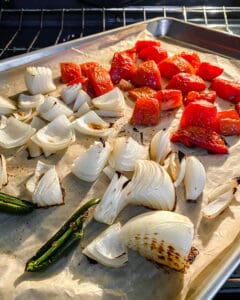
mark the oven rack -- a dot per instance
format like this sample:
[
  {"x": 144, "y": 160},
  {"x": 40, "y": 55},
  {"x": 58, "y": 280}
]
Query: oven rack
[{"x": 25, "y": 30}]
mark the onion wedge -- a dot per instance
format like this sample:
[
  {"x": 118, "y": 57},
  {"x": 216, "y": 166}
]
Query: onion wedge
[
  {"x": 113, "y": 200},
  {"x": 40, "y": 170},
  {"x": 220, "y": 198},
  {"x": 107, "y": 248},
  {"x": 39, "y": 80},
  {"x": 30, "y": 101},
  {"x": 55, "y": 136},
  {"x": 162, "y": 236},
  {"x": 6, "y": 106},
  {"x": 160, "y": 146},
  {"x": 151, "y": 186},
  {"x": 112, "y": 101},
  {"x": 91, "y": 124},
  {"x": 15, "y": 133},
  {"x": 89, "y": 165},
  {"x": 82, "y": 98},
  {"x": 52, "y": 108},
  {"x": 125, "y": 153},
  {"x": 194, "y": 178},
  {"x": 69, "y": 93},
  {"x": 48, "y": 191}
]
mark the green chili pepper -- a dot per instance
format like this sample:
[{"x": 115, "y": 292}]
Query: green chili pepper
[
  {"x": 13, "y": 205},
  {"x": 68, "y": 236}
]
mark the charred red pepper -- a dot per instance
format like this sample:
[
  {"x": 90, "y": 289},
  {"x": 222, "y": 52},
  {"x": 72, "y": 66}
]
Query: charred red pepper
[
  {"x": 169, "y": 99},
  {"x": 226, "y": 89},
  {"x": 146, "y": 112},
  {"x": 192, "y": 96},
  {"x": 208, "y": 71},
  {"x": 186, "y": 83},
  {"x": 201, "y": 137},
  {"x": 123, "y": 65},
  {"x": 147, "y": 74},
  {"x": 174, "y": 65},
  {"x": 199, "y": 113}
]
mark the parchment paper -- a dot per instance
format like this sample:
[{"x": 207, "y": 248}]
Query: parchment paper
[{"x": 74, "y": 277}]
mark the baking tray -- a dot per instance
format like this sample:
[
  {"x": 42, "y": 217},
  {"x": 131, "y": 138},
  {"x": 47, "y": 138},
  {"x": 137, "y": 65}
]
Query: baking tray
[{"x": 194, "y": 36}]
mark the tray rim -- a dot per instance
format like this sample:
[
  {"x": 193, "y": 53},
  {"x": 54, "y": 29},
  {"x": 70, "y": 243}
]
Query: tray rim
[
  {"x": 233, "y": 259},
  {"x": 7, "y": 64}
]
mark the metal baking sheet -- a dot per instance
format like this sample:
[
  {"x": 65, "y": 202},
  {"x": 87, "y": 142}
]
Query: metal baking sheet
[{"x": 180, "y": 32}]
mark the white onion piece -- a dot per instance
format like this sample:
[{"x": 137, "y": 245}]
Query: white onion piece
[
  {"x": 222, "y": 189},
  {"x": 40, "y": 170},
  {"x": 3, "y": 171},
  {"x": 126, "y": 151},
  {"x": 39, "y": 80},
  {"x": 6, "y": 106},
  {"x": 112, "y": 101},
  {"x": 15, "y": 133},
  {"x": 55, "y": 136},
  {"x": 109, "y": 172},
  {"x": 24, "y": 114},
  {"x": 69, "y": 93},
  {"x": 151, "y": 186},
  {"x": 217, "y": 206},
  {"x": 52, "y": 108},
  {"x": 162, "y": 236},
  {"x": 82, "y": 98},
  {"x": 113, "y": 200},
  {"x": 34, "y": 149},
  {"x": 90, "y": 163},
  {"x": 83, "y": 109},
  {"x": 109, "y": 113},
  {"x": 92, "y": 124},
  {"x": 30, "y": 101},
  {"x": 160, "y": 146},
  {"x": 107, "y": 248},
  {"x": 48, "y": 191},
  {"x": 176, "y": 167},
  {"x": 194, "y": 178}
]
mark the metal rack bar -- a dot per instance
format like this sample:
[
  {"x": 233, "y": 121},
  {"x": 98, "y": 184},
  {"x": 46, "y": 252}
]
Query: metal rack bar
[
  {"x": 37, "y": 34},
  {"x": 208, "y": 16}
]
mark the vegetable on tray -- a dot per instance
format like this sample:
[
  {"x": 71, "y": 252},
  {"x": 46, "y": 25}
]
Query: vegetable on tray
[
  {"x": 62, "y": 241},
  {"x": 14, "y": 205}
]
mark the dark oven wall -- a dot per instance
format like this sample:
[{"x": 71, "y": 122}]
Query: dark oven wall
[{"x": 107, "y": 3}]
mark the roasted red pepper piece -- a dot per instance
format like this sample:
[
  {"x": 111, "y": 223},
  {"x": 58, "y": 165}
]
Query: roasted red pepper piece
[
  {"x": 228, "y": 122},
  {"x": 139, "y": 45},
  {"x": 201, "y": 137},
  {"x": 147, "y": 74},
  {"x": 199, "y": 113},
  {"x": 70, "y": 71},
  {"x": 191, "y": 96},
  {"x": 169, "y": 99},
  {"x": 87, "y": 67},
  {"x": 155, "y": 53},
  {"x": 226, "y": 89},
  {"x": 186, "y": 83},
  {"x": 208, "y": 71},
  {"x": 141, "y": 92},
  {"x": 77, "y": 80},
  {"x": 98, "y": 77},
  {"x": 123, "y": 65},
  {"x": 146, "y": 112},
  {"x": 174, "y": 65},
  {"x": 192, "y": 58}
]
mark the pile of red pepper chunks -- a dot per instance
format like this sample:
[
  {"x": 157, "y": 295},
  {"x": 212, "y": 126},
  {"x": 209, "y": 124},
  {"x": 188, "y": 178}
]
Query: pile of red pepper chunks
[{"x": 139, "y": 71}]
